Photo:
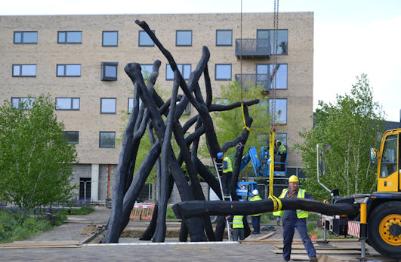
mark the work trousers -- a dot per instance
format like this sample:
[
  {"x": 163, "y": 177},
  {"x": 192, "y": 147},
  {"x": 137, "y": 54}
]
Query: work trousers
[
  {"x": 238, "y": 234},
  {"x": 289, "y": 226},
  {"x": 256, "y": 224},
  {"x": 226, "y": 182}
]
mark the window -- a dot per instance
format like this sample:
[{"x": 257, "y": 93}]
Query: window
[
  {"x": 25, "y": 37},
  {"x": 222, "y": 72},
  {"x": 265, "y": 39},
  {"x": 107, "y": 139},
  {"x": 67, "y": 103},
  {"x": 108, "y": 105},
  {"x": 224, "y": 37},
  {"x": 185, "y": 70},
  {"x": 265, "y": 71},
  {"x": 69, "y": 37},
  {"x": 131, "y": 104},
  {"x": 72, "y": 137},
  {"x": 109, "y": 71},
  {"x": 68, "y": 70},
  {"x": 389, "y": 160},
  {"x": 144, "y": 39},
  {"x": 183, "y": 38},
  {"x": 147, "y": 70},
  {"x": 22, "y": 102},
  {"x": 110, "y": 38},
  {"x": 282, "y": 137},
  {"x": 278, "y": 110},
  {"x": 24, "y": 70}
]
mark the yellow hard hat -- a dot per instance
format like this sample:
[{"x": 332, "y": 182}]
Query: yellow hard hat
[{"x": 293, "y": 179}]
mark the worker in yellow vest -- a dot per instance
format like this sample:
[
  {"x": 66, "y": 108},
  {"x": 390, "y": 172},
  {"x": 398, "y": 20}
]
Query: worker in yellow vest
[
  {"x": 295, "y": 219},
  {"x": 238, "y": 228},
  {"x": 282, "y": 153},
  {"x": 255, "y": 217},
  {"x": 227, "y": 174}
]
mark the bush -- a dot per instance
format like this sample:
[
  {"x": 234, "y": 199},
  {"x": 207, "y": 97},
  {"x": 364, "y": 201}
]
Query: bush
[
  {"x": 15, "y": 226},
  {"x": 85, "y": 210},
  {"x": 35, "y": 157},
  {"x": 7, "y": 224},
  {"x": 170, "y": 213},
  {"x": 267, "y": 218}
]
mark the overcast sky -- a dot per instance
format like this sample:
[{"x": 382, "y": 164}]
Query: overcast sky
[{"x": 351, "y": 37}]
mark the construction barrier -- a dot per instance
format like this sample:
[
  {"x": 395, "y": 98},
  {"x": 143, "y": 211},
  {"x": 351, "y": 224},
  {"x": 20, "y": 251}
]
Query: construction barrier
[
  {"x": 142, "y": 212},
  {"x": 354, "y": 228}
]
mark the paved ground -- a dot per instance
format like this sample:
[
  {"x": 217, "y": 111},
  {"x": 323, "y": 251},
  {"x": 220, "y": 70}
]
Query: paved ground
[
  {"x": 74, "y": 228},
  {"x": 132, "y": 249},
  {"x": 205, "y": 252}
]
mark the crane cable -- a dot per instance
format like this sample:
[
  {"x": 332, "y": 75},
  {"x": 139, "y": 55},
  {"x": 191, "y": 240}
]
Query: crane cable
[
  {"x": 245, "y": 126},
  {"x": 277, "y": 205}
]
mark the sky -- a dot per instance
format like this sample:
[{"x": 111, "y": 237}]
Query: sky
[{"x": 350, "y": 37}]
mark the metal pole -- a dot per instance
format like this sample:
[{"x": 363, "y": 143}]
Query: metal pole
[
  {"x": 363, "y": 250},
  {"x": 318, "y": 168},
  {"x": 363, "y": 226}
]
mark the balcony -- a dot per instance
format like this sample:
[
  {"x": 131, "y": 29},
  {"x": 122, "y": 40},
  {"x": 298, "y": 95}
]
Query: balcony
[
  {"x": 251, "y": 80},
  {"x": 252, "y": 48}
]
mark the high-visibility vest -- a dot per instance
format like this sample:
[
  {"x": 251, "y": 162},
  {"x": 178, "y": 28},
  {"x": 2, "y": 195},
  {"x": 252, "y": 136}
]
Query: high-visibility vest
[
  {"x": 255, "y": 198},
  {"x": 238, "y": 221},
  {"x": 300, "y": 213},
  {"x": 282, "y": 149},
  {"x": 227, "y": 165}
]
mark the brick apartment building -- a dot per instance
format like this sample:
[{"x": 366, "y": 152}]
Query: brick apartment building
[{"x": 79, "y": 61}]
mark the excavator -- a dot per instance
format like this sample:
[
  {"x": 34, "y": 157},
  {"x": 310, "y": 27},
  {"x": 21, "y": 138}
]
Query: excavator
[{"x": 379, "y": 219}]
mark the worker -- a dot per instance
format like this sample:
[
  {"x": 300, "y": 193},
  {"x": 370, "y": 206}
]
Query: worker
[
  {"x": 227, "y": 175},
  {"x": 282, "y": 153},
  {"x": 255, "y": 217},
  {"x": 292, "y": 219},
  {"x": 238, "y": 227}
]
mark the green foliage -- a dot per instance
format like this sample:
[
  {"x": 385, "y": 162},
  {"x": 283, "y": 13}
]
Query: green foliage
[
  {"x": 143, "y": 150},
  {"x": 229, "y": 124},
  {"x": 170, "y": 213},
  {"x": 35, "y": 159},
  {"x": 15, "y": 226},
  {"x": 85, "y": 210},
  {"x": 350, "y": 126},
  {"x": 267, "y": 218}
]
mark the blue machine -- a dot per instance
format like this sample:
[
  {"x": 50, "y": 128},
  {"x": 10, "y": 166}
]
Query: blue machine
[
  {"x": 260, "y": 167},
  {"x": 261, "y": 163},
  {"x": 244, "y": 189}
]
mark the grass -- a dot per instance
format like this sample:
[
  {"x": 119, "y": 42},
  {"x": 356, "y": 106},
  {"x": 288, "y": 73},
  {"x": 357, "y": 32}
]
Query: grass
[
  {"x": 85, "y": 210},
  {"x": 15, "y": 226}
]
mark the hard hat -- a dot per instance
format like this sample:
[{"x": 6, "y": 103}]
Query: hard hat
[
  {"x": 255, "y": 192},
  {"x": 293, "y": 179}
]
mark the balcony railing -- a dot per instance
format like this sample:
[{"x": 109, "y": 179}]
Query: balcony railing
[
  {"x": 252, "y": 48},
  {"x": 251, "y": 80}
]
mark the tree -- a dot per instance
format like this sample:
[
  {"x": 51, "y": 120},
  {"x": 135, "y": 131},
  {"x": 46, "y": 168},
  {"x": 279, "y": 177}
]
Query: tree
[
  {"x": 350, "y": 126},
  {"x": 35, "y": 158},
  {"x": 230, "y": 123}
]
